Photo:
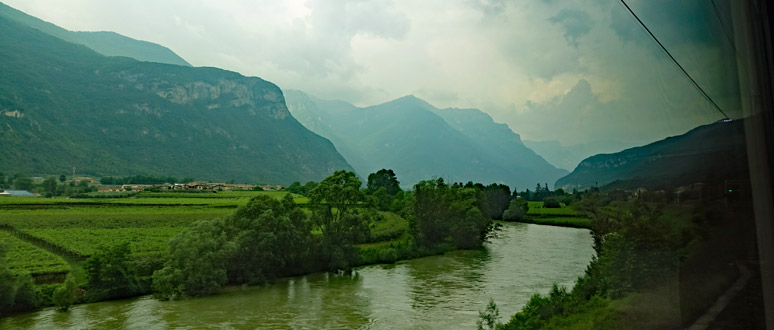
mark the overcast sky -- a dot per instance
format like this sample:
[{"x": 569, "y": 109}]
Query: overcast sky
[{"x": 572, "y": 71}]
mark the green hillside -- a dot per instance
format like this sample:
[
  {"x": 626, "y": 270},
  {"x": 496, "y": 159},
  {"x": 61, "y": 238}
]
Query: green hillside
[
  {"x": 63, "y": 105},
  {"x": 711, "y": 152},
  {"x": 105, "y": 43}
]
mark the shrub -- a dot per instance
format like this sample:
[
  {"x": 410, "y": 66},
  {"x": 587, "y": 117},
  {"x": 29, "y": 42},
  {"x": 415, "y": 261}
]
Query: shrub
[{"x": 551, "y": 203}]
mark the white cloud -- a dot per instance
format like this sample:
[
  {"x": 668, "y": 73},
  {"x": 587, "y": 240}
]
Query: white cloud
[{"x": 520, "y": 61}]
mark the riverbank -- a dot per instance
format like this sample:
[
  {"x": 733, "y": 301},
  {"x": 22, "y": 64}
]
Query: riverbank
[
  {"x": 680, "y": 259},
  {"x": 442, "y": 291},
  {"x": 571, "y": 222}
]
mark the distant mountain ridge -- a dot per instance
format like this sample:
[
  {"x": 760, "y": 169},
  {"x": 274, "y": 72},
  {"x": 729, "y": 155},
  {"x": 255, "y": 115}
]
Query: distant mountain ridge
[
  {"x": 715, "y": 151},
  {"x": 419, "y": 141},
  {"x": 569, "y": 156},
  {"x": 63, "y": 105},
  {"x": 105, "y": 43}
]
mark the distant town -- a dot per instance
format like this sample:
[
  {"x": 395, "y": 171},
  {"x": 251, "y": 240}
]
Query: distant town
[{"x": 95, "y": 185}]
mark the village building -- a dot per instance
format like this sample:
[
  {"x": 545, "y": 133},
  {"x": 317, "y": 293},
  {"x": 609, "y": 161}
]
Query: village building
[
  {"x": 87, "y": 179},
  {"x": 16, "y": 193}
]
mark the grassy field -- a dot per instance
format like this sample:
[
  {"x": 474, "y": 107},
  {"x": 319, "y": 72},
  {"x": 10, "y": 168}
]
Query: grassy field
[
  {"x": 77, "y": 227},
  {"x": 565, "y": 216},
  {"x": 24, "y": 257}
]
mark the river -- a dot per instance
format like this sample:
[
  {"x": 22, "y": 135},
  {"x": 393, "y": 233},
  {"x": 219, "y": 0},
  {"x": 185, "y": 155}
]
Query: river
[{"x": 440, "y": 292}]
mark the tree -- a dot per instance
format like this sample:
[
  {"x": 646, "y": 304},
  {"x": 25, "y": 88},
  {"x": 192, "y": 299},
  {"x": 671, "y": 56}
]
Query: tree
[
  {"x": 308, "y": 186},
  {"x": 272, "y": 239},
  {"x": 334, "y": 203},
  {"x": 383, "y": 179},
  {"x": 49, "y": 187},
  {"x": 497, "y": 197},
  {"x": 62, "y": 178},
  {"x": 551, "y": 202},
  {"x": 197, "y": 262},
  {"x": 110, "y": 273},
  {"x": 517, "y": 210},
  {"x": 262, "y": 240},
  {"x": 295, "y": 188},
  {"x": 441, "y": 211},
  {"x": 67, "y": 294},
  {"x": 23, "y": 183}
]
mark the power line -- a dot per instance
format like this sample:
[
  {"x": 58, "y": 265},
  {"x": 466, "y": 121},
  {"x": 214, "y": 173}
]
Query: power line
[
  {"x": 722, "y": 25},
  {"x": 676, "y": 62}
]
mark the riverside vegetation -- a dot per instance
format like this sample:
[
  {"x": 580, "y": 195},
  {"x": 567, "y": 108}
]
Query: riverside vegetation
[
  {"x": 656, "y": 266},
  {"x": 177, "y": 245}
]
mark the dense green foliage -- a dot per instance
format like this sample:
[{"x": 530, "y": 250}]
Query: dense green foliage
[
  {"x": 262, "y": 240},
  {"x": 65, "y": 295},
  {"x": 303, "y": 190},
  {"x": 382, "y": 187},
  {"x": 498, "y": 198},
  {"x": 383, "y": 178},
  {"x": 111, "y": 274},
  {"x": 443, "y": 212},
  {"x": 17, "y": 292},
  {"x": 635, "y": 250},
  {"x": 517, "y": 210},
  {"x": 337, "y": 209},
  {"x": 107, "y": 116},
  {"x": 551, "y": 203}
]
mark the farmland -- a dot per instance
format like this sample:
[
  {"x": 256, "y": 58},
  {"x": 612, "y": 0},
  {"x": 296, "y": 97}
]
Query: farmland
[
  {"x": 24, "y": 257},
  {"x": 76, "y": 228},
  {"x": 565, "y": 216}
]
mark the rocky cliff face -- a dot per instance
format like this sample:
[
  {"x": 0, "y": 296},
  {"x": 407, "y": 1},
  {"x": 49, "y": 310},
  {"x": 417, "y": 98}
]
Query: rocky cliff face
[{"x": 65, "y": 105}]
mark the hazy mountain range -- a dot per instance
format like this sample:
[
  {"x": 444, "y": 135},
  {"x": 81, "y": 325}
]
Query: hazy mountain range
[
  {"x": 63, "y": 105},
  {"x": 419, "y": 141},
  {"x": 111, "y": 105},
  {"x": 105, "y": 43},
  {"x": 711, "y": 152}
]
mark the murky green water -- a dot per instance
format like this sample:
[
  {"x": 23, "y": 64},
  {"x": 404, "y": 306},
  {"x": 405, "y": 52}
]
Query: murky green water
[{"x": 442, "y": 292}]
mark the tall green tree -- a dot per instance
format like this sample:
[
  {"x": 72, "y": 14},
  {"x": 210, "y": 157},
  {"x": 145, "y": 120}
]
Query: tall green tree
[
  {"x": 383, "y": 178},
  {"x": 272, "y": 239},
  {"x": 383, "y": 187},
  {"x": 49, "y": 187},
  {"x": 111, "y": 274},
  {"x": 197, "y": 262},
  {"x": 497, "y": 196},
  {"x": 336, "y": 205}
]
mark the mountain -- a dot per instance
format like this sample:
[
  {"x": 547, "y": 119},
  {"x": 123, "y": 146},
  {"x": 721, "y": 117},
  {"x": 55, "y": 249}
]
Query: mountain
[
  {"x": 711, "y": 152},
  {"x": 568, "y": 157},
  {"x": 105, "y": 43},
  {"x": 62, "y": 105},
  {"x": 419, "y": 141}
]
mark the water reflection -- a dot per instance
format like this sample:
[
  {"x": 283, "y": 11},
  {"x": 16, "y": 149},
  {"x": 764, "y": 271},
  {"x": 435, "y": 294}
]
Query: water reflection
[{"x": 428, "y": 293}]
